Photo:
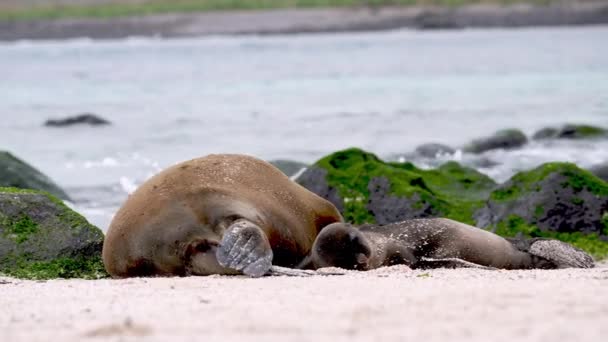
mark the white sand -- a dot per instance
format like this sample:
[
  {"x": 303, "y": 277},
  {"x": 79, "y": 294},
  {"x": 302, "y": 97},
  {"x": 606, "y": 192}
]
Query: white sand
[{"x": 390, "y": 304}]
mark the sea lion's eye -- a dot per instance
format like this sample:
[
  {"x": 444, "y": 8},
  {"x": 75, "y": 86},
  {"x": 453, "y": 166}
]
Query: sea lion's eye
[
  {"x": 205, "y": 246},
  {"x": 232, "y": 218}
]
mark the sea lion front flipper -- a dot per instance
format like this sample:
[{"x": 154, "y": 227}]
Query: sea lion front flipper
[
  {"x": 245, "y": 248},
  {"x": 561, "y": 253}
]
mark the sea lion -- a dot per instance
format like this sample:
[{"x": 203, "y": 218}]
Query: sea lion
[
  {"x": 220, "y": 214},
  {"x": 435, "y": 242}
]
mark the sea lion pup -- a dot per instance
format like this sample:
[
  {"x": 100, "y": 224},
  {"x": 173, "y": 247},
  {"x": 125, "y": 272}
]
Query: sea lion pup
[
  {"x": 435, "y": 242},
  {"x": 220, "y": 214}
]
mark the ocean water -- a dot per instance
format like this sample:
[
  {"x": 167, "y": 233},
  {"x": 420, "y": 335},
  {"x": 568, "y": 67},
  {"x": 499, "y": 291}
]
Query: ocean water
[{"x": 295, "y": 97}]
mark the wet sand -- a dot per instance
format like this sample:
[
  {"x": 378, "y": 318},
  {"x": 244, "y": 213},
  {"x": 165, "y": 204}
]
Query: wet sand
[
  {"x": 389, "y": 304},
  {"x": 290, "y": 21}
]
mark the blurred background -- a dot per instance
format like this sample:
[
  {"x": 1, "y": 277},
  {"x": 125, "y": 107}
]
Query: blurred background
[{"x": 293, "y": 80}]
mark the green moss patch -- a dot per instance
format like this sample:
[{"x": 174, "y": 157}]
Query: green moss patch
[
  {"x": 452, "y": 190},
  {"x": 586, "y": 131},
  {"x": 79, "y": 267},
  {"x": 591, "y": 243},
  {"x": 571, "y": 131},
  {"x": 527, "y": 181},
  {"x": 21, "y": 229}
]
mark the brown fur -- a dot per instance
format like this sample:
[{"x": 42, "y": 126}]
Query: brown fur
[{"x": 185, "y": 208}]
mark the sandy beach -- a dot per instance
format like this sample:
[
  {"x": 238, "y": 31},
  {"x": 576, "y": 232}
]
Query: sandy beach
[{"x": 389, "y": 304}]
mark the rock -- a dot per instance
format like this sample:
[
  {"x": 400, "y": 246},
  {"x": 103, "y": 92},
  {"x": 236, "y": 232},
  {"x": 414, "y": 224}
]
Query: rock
[
  {"x": 433, "y": 150},
  {"x": 84, "y": 118},
  {"x": 41, "y": 238},
  {"x": 570, "y": 131},
  {"x": 387, "y": 207},
  {"x": 561, "y": 253},
  {"x": 554, "y": 197},
  {"x": 16, "y": 173},
  {"x": 504, "y": 139},
  {"x": 545, "y": 133},
  {"x": 368, "y": 190},
  {"x": 601, "y": 171},
  {"x": 288, "y": 167},
  {"x": 555, "y": 200}
]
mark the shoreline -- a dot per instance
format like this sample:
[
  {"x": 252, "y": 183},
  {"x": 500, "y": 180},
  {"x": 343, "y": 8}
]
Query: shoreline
[{"x": 295, "y": 21}]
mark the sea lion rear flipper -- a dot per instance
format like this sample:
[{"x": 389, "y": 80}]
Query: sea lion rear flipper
[
  {"x": 245, "y": 248},
  {"x": 560, "y": 253}
]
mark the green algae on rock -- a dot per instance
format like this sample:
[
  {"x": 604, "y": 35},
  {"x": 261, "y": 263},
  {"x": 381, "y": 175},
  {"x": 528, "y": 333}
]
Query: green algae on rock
[
  {"x": 41, "y": 238},
  {"x": 571, "y": 131},
  {"x": 369, "y": 190},
  {"x": 556, "y": 197},
  {"x": 555, "y": 200},
  {"x": 593, "y": 243},
  {"x": 14, "y": 172}
]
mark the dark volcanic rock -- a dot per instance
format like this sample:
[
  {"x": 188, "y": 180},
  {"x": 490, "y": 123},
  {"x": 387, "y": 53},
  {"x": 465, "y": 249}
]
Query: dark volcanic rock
[
  {"x": 504, "y": 139},
  {"x": 80, "y": 119},
  {"x": 42, "y": 238},
  {"x": 368, "y": 190},
  {"x": 570, "y": 131},
  {"x": 288, "y": 167},
  {"x": 17, "y": 173},
  {"x": 556, "y": 197},
  {"x": 545, "y": 133},
  {"x": 389, "y": 208},
  {"x": 432, "y": 150}
]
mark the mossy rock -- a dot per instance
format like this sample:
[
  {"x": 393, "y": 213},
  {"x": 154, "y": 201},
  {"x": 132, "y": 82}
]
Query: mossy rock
[
  {"x": 555, "y": 197},
  {"x": 14, "y": 172},
  {"x": 570, "y": 131},
  {"x": 504, "y": 139},
  {"x": 368, "y": 190},
  {"x": 41, "y": 238},
  {"x": 596, "y": 244}
]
